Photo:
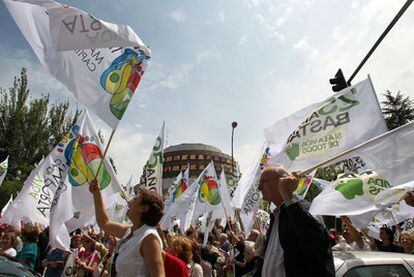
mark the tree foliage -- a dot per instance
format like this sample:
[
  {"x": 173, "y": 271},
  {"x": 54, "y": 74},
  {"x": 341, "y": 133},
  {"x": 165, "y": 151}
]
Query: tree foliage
[
  {"x": 30, "y": 127},
  {"x": 398, "y": 109}
]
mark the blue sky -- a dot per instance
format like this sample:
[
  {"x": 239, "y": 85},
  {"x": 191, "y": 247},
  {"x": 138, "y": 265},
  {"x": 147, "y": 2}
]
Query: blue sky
[{"x": 214, "y": 62}]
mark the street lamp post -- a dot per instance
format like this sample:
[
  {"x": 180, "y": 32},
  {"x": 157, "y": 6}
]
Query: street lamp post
[{"x": 233, "y": 126}]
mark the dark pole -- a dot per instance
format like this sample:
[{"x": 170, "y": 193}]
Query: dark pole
[
  {"x": 233, "y": 126},
  {"x": 396, "y": 18}
]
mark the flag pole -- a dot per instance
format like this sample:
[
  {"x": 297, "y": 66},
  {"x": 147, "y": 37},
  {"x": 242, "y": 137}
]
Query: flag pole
[
  {"x": 312, "y": 168},
  {"x": 103, "y": 159}
]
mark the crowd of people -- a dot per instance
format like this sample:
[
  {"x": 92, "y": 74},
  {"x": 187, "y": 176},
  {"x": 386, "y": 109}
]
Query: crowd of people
[{"x": 295, "y": 243}]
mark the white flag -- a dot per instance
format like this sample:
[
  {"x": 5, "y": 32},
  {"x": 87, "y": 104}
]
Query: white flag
[
  {"x": 350, "y": 194},
  {"x": 3, "y": 169},
  {"x": 152, "y": 175},
  {"x": 81, "y": 154},
  {"x": 200, "y": 198},
  {"x": 178, "y": 187},
  {"x": 394, "y": 194},
  {"x": 348, "y": 118},
  {"x": 208, "y": 196},
  {"x": 252, "y": 197},
  {"x": 390, "y": 154},
  {"x": 70, "y": 269},
  {"x": 227, "y": 206},
  {"x": 6, "y": 206},
  {"x": 84, "y": 53},
  {"x": 34, "y": 200}
]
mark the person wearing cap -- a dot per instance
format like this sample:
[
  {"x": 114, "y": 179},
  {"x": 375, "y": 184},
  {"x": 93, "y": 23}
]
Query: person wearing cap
[
  {"x": 139, "y": 252},
  {"x": 297, "y": 244}
]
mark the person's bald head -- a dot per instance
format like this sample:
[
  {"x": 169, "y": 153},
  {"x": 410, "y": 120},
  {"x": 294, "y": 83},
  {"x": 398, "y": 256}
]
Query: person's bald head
[{"x": 268, "y": 183}]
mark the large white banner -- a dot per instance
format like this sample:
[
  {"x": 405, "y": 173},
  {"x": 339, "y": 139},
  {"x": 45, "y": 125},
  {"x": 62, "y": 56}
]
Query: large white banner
[
  {"x": 152, "y": 175},
  {"x": 99, "y": 62},
  {"x": 342, "y": 121},
  {"x": 82, "y": 154},
  {"x": 252, "y": 197}
]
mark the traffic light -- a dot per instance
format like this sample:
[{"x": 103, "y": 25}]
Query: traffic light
[{"x": 338, "y": 82}]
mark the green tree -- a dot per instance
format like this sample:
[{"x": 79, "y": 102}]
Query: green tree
[
  {"x": 29, "y": 127},
  {"x": 398, "y": 109}
]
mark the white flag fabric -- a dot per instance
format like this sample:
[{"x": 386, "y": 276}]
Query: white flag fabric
[
  {"x": 208, "y": 196},
  {"x": 81, "y": 154},
  {"x": 225, "y": 198},
  {"x": 390, "y": 154},
  {"x": 70, "y": 269},
  {"x": 6, "y": 206},
  {"x": 252, "y": 197},
  {"x": 348, "y": 118},
  {"x": 303, "y": 186},
  {"x": 3, "y": 169},
  {"x": 100, "y": 63},
  {"x": 152, "y": 175},
  {"x": 34, "y": 200},
  {"x": 200, "y": 198},
  {"x": 350, "y": 194},
  {"x": 178, "y": 187},
  {"x": 394, "y": 194}
]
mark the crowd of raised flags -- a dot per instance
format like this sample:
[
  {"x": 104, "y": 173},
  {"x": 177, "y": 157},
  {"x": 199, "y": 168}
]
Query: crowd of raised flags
[{"x": 104, "y": 66}]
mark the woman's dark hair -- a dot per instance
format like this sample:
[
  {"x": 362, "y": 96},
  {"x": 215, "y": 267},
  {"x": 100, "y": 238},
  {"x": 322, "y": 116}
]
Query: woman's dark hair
[
  {"x": 29, "y": 233},
  {"x": 389, "y": 233},
  {"x": 196, "y": 249},
  {"x": 155, "y": 204}
]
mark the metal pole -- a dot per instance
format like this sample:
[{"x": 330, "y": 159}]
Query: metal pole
[
  {"x": 233, "y": 126},
  {"x": 396, "y": 18}
]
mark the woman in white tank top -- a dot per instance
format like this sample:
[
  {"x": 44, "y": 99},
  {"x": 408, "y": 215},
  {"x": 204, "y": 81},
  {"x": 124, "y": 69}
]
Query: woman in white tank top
[{"x": 139, "y": 251}]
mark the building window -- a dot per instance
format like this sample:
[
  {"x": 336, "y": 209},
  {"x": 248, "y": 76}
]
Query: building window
[
  {"x": 192, "y": 157},
  {"x": 176, "y": 158},
  {"x": 228, "y": 161},
  {"x": 216, "y": 158},
  {"x": 201, "y": 167},
  {"x": 183, "y": 167},
  {"x": 184, "y": 157},
  {"x": 176, "y": 168},
  {"x": 168, "y": 168},
  {"x": 208, "y": 157},
  {"x": 193, "y": 167},
  {"x": 168, "y": 159},
  {"x": 200, "y": 157}
]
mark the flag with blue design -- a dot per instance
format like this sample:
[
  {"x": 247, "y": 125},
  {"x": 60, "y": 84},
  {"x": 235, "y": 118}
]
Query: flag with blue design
[
  {"x": 101, "y": 63},
  {"x": 81, "y": 156}
]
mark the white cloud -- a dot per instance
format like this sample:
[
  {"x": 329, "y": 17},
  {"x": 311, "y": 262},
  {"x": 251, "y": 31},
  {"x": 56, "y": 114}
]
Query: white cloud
[
  {"x": 207, "y": 55},
  {"x": 178, "y": 15},
  {"x": 303, "y": 45},
  {"x": 242, "y": 39},
  {"x": 221, "y": 17},
  {"x": 170, "y": 80}
]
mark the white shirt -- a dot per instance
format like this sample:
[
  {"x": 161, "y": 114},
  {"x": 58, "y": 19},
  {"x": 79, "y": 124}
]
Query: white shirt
[
  {"x": 130, "y": 261},
  {"x": 11, "y": 252},
  {"x": 273, "y": 262},
  {"x": 355, "y": 246}
]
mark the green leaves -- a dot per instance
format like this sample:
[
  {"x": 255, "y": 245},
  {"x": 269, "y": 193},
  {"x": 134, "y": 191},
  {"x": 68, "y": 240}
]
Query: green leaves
[{"x": 29, "y": 127}]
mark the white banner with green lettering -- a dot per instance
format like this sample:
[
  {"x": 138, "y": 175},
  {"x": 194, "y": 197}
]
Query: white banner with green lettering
[
  {"x": 342, "y": 121},
  {"x": 350, "y": 194},
  {"x": 152, "y": 176}
]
